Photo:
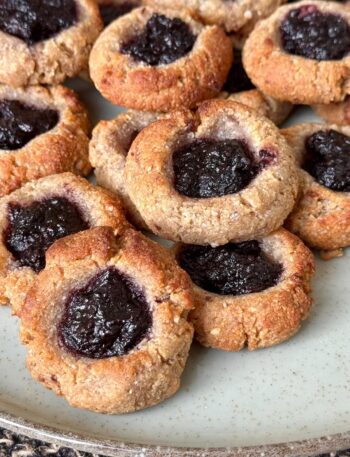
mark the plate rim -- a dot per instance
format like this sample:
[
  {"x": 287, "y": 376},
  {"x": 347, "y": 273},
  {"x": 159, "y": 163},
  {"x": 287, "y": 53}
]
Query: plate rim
[{"x": 115, "y": 448}]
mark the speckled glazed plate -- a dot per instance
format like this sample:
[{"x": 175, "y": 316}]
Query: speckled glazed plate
[{"x": 229, "y": 403}]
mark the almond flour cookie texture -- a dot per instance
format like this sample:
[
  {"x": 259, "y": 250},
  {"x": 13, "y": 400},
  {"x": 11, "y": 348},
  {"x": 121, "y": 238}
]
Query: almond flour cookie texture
[
  {"x": 159, "y": 60},
  {"x": 44, "y": 42},
  {"x": 301, "y": 54},
  {"x": 128, "y": 355},
  {"x": 335, "y": 113},
  {"x": 321, "y": 216},
  {"x": 34, "y": 217},
  {"x": 220, "y": 174},
  {"x": 43, "y": 131},
  {"x": 108, "y": 149},
  {"x": 253, "y": 294}
]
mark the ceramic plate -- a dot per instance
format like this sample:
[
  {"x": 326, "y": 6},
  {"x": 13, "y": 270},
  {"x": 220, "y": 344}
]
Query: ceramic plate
[{"x": 229, "y": 403}]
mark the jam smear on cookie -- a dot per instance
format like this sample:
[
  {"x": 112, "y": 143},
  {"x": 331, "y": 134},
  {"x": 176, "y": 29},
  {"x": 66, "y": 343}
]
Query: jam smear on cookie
[
  {"x": 34, "y": 228},
  {"x": 212, "y": 168},
  {"x": 162, "y": 41},
  {"x": 107, "y": 317},
  {"x": 328, "y": 159},
  {"x": 311, "y": 33},
  {"x": 232, "y": 269},
  {"x": 20, "y": 123},
  {"x": 111, "y": 11},
  {"x": 237, "y": 79},
  {"x": 36, "y": 20}
]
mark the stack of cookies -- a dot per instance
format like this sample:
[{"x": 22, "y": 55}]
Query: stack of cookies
[{"x": 108, "y": 316}]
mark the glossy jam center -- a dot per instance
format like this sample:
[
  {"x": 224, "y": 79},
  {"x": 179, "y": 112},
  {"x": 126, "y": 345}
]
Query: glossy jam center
[
  {"x": 111, "y": 11},
  {"x": 36, "y": 20},
  {"x": 33, "y": 229},
  {"x": 237, "y": 79},
  {"x": 107, "y": 317},
  {"x": 20, "y": 123},
  {"x": 316, "y": 35},
  {"x": 232, "y": 269},
  {"x": 162, "y": 41},
  {"x": 211, "y": 168},
  {"x": 328, "y": 159}
]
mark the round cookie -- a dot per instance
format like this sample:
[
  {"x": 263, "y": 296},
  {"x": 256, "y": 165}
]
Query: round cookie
[
  {"x": 301, "y": 54},
  {"x": 33, "y": 217},
  {"x": 45, "y": 42},
  {"x": 253, "y": 294},
  {"x": 221, "y": 174},
  {"x": 110, "y": 10},
  {"x": 43, "y": 131},
  {"x": 238, "y": 87},
  {"x": 108, "y": 149},
  {"x": 131, "y": 353},
  {"x": 335, "y": 113},
  {"x": 132, "y": 66},
  {"x": 321, "y": 216},
  {"x": 234, "y": 16}
]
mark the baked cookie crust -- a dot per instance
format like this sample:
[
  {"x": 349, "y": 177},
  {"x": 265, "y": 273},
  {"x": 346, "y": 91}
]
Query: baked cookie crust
[
  {"x": 97, "y": 205},
  {"x": 53, "y": 60},
  {"x": 262, "y": 319},
  {"x": 198, "y": 75},
  {"x": 253, "y": 212},
  {"x": 108, "y": 149},
  {"x": 148, "y": 374},
  {"x": 335, "y": 113},
  {"x": 321, "y": 216},
  {"x": 234, "y": 16},
  {"x": 290, "y": 77},
  {"x": 63, "y": 148}
]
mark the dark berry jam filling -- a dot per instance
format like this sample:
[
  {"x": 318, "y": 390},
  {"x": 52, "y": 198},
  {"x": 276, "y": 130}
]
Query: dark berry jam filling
[
  {"x": 212, "y": 168},
  {"x": 328, "y": 159},
  {"x": 20, "y": 123},
  {"x": 108, "y": 317},
  {"x": 162, "y": 41},
  {"x": 232, "y": 269},
  {"x": 237, "y": 79},
  {"x": 111, "y": 11},
  {"x": 34, "y": 228},
  {"x": 313, "y": 34},
  {"x": 36, "y": 20}
]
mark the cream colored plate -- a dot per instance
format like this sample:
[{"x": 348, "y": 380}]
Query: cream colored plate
[{"x": 295, "y": 391}]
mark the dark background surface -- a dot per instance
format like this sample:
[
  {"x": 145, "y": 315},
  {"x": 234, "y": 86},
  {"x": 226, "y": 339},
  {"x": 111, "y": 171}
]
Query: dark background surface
[{"x": 13, "y": 445}]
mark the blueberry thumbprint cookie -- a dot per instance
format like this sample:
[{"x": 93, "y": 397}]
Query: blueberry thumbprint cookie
[
  {"x": 106, "y": 323},
  {"x": 220, "y": 174},
  {"x": 253, "y": 294},
  {"x": 110, "y": 10},
  {"x": 237, "y": 17},
  {"x": 43, "y": 131},
  {"x": 160, "y": 60},
  {"x": 301, "y": 53},
  {"x": 238, "y": 87},
  {"x": 45, "y": 41},
  {"x": 321, "y": 216},
  {"x": 108, "y": 149},
  {"x": 34, "y": 217}
]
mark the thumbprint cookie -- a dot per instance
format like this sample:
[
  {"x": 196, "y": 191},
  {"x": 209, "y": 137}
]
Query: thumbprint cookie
[
  {"x": 106, "y": 322},
  {"x": 159, "y": 60},
  {"x": 34, "y": 217},
  {"x": 220, "y": 174}
]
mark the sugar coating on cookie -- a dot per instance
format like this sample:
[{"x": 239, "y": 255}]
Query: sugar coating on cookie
[
  {"x": 104, "y": 333},
  {"x": 159, "y": 60},
  {"x": 45, "y": 42},
  {"x": 221, "y": 174},
  {"x": 321, "y": 214},
  {"x": 253, "y": 294},
  {"x": 43, "y": 131},
  {"x": 41, "y": 212},
  {"x": 301, "y": 53}
]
